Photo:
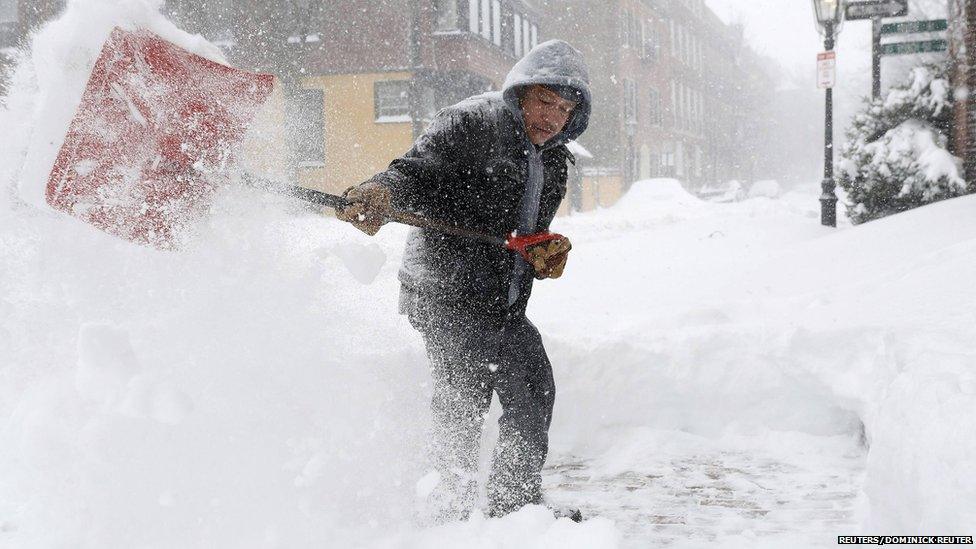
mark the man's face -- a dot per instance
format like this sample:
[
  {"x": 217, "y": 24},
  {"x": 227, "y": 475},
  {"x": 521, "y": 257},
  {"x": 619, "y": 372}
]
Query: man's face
[{"x": 545, "y": 112}]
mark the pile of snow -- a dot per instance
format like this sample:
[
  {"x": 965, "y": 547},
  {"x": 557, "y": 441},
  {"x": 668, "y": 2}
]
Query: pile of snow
[
  {"x": 738, "y": 325},
  {"x": 768, "y": 188},
  {"x": 729, "y": 191},
  {"x": 651, "y": 201},
  {"x": 255, "y": 388}
]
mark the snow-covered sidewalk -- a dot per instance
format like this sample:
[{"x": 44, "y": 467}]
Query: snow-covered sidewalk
[{"x": 689, "y": 491}]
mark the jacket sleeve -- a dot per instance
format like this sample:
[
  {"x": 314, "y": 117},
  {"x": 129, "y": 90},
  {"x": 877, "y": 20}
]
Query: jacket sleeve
[{"x": 415, "y": 179}]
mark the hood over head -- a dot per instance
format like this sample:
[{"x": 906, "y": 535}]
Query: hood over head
[{"x": 559, "y": 66}]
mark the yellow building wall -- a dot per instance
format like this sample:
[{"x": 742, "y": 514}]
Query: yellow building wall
[
  {"x": 610, "y": 190},
  {"x": 599, "y": 191},
  {"x": 356, "y": 146}
]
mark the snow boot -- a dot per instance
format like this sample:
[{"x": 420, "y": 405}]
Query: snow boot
[{"x": 562, "y": 511}]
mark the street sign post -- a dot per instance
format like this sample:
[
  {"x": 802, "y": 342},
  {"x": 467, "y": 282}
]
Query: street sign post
[
  {"x": 826, "y": 69},
  {"x": 911, "y": 27},
  {"x": 872, "y": 9},
  {"x": 906, "y": 48},
  {"x": 875, "y": 10}
]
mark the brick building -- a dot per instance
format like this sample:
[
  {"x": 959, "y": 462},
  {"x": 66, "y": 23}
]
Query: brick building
[
  {"x": 962, "y": 32},
  {"x": 676, "y": 88},
  {"x": 365, "y": 76}
]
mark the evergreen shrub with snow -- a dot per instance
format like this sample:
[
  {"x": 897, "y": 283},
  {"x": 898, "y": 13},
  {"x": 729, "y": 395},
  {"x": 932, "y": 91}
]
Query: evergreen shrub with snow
[{"x": 895, "y": 157}]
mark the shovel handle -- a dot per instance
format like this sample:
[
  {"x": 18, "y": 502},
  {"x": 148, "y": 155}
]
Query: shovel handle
[{"x": 320, "y": 198}]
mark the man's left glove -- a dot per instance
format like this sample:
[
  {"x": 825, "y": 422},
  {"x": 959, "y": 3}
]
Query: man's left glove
[
  {"x": 549, "y": 258},
  {"x": 369, "y": 206}
]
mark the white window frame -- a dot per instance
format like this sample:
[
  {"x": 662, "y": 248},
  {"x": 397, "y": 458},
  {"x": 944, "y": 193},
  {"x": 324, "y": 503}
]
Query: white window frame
[
  {"x": 473, "y": 16},
  {"x": 517, "y": 30},
  {"x": 486, "y": 19},
  {"x": 674, "y": 41},
  {"x": 535, "y": 35},
  {"x": 496, "y": 22}
]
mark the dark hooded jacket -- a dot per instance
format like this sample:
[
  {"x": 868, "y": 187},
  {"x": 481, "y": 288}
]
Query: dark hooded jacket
[{"x": 470, "y": 168}]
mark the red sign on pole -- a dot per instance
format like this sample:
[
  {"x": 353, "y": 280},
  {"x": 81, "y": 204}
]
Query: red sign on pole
[{"x": 826, "y": 69}]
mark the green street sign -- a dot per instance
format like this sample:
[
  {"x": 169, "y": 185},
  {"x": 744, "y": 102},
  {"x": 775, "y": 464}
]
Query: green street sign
[
  {"x": 910, "y": 27},
  {"x": 905, "y": 48}
]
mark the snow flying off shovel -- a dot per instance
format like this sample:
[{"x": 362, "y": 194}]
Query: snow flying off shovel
[
  {"x": 155, "y": 130},
  {"x": 155, "y": 127}
]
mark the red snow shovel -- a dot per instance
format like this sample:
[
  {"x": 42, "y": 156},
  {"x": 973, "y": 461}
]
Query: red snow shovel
[{"x": 156, "y": 128}]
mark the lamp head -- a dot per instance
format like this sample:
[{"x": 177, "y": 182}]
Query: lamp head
[{"x": 829, "y": 12}]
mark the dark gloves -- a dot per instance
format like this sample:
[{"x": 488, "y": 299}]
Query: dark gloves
[
  {"x": 369, "y": 206},
  {"x": 549, "y": 258}
]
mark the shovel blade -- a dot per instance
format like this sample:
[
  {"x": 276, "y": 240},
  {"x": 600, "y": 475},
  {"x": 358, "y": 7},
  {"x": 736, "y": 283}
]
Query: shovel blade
[{"x": 155, "y": 130}]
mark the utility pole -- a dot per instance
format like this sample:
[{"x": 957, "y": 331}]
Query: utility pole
[{"x": 828, "y": 200}]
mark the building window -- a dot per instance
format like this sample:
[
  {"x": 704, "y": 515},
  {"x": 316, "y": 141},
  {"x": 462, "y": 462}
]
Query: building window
[
  {"x": 518, "y": 35},
  {"x": 485, "y": 19},
  {"x": 526, "y": 35},
  {"x": 630, "y": 100},
  {"x": 674, "y": 103},
  {"x": 308, "y": 127},
  {"x": 392, "y": 101},
  {"x": 535, "y": 35},
  {"x": 447, "y": 15},
  {"x": 648, "y": 41},
  {"x": 655, "y": 116}
]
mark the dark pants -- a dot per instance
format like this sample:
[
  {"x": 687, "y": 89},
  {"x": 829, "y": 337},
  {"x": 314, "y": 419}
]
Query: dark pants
[{"x": 472, "y": 354}]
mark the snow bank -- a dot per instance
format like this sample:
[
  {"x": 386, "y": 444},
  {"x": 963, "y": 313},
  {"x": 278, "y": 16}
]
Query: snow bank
[
  {"x": 768, "y": 188},
  {"x": 737, "y": 324},
  {"x": 254, "y": 389}
]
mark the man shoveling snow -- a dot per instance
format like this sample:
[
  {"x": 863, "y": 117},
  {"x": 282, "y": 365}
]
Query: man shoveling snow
[{"x": 496, "y": 163}]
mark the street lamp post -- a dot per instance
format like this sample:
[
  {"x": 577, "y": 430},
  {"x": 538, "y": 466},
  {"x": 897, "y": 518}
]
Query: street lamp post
[{"x": 830, "y": 14}]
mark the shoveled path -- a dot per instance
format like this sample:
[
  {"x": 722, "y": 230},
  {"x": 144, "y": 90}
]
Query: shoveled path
[{"x": 721, "y": 495}]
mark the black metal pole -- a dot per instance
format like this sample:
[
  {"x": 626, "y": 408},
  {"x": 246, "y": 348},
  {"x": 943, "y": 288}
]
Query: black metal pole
[
  {"x": 828, "y": 200},
  {"x": 876, "y": 57}
]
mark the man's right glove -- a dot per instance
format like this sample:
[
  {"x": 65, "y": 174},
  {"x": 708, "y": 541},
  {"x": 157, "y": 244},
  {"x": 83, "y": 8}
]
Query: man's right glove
[
  {"x": 369, "y": 206},
  {"x": 549, "y": 258}
]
